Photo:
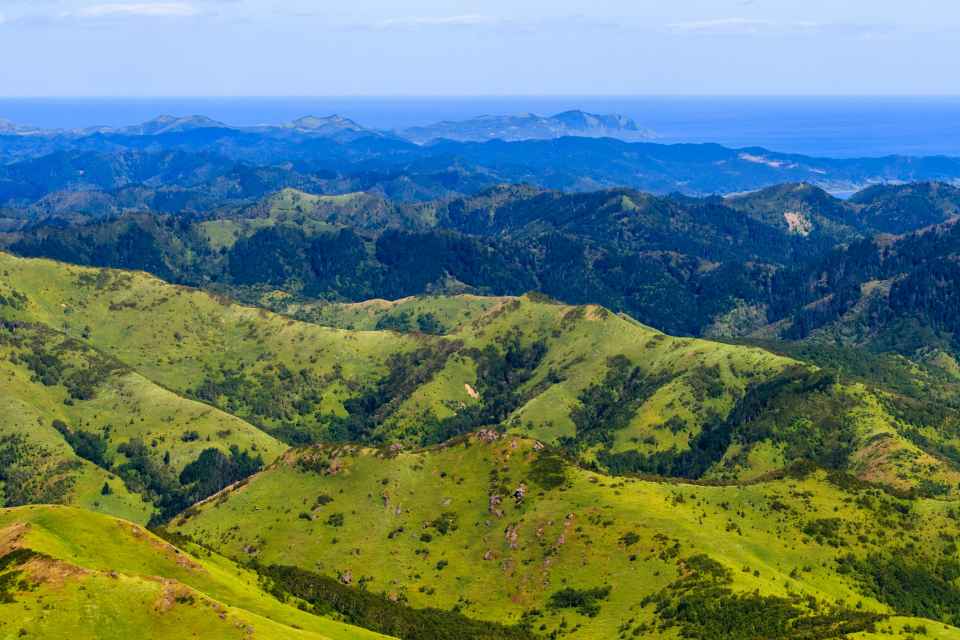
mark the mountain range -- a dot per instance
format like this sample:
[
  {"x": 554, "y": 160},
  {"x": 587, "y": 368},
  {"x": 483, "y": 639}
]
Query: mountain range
[
  {"x": 789, "y": 261},
  {"x": 335, "y": 155},
  {"x": 312, "y": 381},
  {"x": 520, "y": 127}
]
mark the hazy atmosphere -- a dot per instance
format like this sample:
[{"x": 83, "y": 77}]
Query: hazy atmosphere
[{"x": 455, "y": 47}]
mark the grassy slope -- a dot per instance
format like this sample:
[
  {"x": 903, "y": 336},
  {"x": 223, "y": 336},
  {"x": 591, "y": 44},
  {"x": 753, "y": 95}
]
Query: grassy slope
[
  {"x": 579, "y": 343},
  {"x": 125, "y": 406},
  {"x": 27, "y": 410},
  {"x": 307, "y": 212},
  {"x": 175, "y": 336},
  {"x": 179, "y": 337},
  {"x": 107, "y": 578},
  {"x": 564, "y": 537},
  {"x": 452, "y": 312}
]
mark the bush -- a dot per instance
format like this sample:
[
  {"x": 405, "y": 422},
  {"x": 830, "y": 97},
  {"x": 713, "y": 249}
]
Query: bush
[
  {"x": 380, "y": 614},
  {"x": 585, "y": 601}
]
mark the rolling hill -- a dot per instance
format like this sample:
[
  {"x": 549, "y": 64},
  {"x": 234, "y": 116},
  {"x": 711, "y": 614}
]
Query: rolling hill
[
  {"x": 71, "y": 573},
  {"x": 614, "y": 393},
  {"x": 502, "y": 466},
  {"x": 504, "y": 529}
]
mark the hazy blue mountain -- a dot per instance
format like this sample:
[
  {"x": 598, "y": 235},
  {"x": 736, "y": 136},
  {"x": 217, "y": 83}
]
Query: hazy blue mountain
[{"x": 529, "y": 126}]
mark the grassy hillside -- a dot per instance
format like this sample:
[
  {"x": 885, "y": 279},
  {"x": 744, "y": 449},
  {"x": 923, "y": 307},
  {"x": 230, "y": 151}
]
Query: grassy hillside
[
  {"x": 80, "y": 412},
  {"x": 431, "y": 314},
  {"x": 748, "y": 481},
  {"x": 625, "y": 397},
  {"x": 308, "y": 212},
  {"x": 610, "y": 391},
  {"x": 502, "y": 529},
  {"x": 269, "y": 369},
  {"x": 72, "y": 573}
]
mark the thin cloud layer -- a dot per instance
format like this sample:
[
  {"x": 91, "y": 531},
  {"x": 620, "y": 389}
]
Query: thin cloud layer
[
  {"x": 143, "y": 9},
  {"x": 749, "y": 26},
  {"x": 471, "y": 20}
]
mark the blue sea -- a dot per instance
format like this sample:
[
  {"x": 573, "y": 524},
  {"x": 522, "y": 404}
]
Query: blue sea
[{"x": 825, "y": 126}]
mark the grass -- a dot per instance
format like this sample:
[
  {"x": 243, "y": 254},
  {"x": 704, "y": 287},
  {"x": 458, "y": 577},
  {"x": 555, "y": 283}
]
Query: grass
[
  {"x": 591, "y": 532},
  {"x": 441, "y": 527},
  {"x": 125, "y": 406},
  {"x": 290, "y": 207},
  {"x": 101, "y": 577},
  {"x": 179, "y": 337},
  {"x": 295, "y": 375}
]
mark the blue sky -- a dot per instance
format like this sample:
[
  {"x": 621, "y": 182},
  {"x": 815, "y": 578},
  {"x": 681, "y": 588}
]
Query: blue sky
[{"x": 458, "y": 47}]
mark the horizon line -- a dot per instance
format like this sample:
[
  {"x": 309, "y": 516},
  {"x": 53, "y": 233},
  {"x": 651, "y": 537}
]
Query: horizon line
[{"x": 439, "y": 96}]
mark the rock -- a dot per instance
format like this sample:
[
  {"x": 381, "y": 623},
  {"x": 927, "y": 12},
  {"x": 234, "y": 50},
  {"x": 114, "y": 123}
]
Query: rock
[
  {"x": 488, "y": 435},
  {"x": 520, "y": 494},
  {"x": 512, "y": 535},
  {"x": 493, "y": 505}
]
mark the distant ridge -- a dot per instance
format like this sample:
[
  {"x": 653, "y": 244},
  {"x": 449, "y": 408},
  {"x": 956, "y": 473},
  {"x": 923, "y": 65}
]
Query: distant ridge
[
  {"x": 529, "y": 126},
  {"x": 512, "y": 128},
  {"x": 171, "y": 124},
  {"x": 334, "y": 122}
]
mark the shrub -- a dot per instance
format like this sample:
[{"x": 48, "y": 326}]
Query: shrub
[{"x": 585, "y": 601}]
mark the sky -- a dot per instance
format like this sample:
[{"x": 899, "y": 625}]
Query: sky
[{"x": 478, "y": 47}]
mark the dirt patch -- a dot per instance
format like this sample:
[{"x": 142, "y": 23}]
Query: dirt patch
[
  {"x": 171, "y": 552},
  {"x": 11, "y": 537},
  {"x": 596, "y": 313},
  {"x": 171, "y": 594},
  {"x": 52, "y": 572},
  {"x": 798, "y": 223}
]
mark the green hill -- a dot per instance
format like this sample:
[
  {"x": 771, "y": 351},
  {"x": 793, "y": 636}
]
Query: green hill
[
  {"x": 613, "y": 393},
  {"x": 75, "y": 421},
  {"x": 503, "y": 459},
  {"x": 72, "y": 573},
  {"x": 503, "y": 529}
]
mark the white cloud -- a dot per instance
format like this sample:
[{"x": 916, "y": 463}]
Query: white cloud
[
  {"x": 149, "y": 10},
  {"x": 741, "y": 26},
  {"x": 471, "y": 20}
]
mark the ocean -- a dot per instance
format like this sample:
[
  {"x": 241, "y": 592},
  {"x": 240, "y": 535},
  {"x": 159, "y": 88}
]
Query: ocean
[{"x": 825, "y": 126}]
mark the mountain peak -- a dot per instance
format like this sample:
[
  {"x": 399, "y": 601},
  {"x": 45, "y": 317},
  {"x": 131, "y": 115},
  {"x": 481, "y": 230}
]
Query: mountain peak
[
  {"x": 577, "y": 119},
  {"x": 529, "y": 126},
  {"x": 329, "y": 123},
  {"x": 172, "y": 124}
]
